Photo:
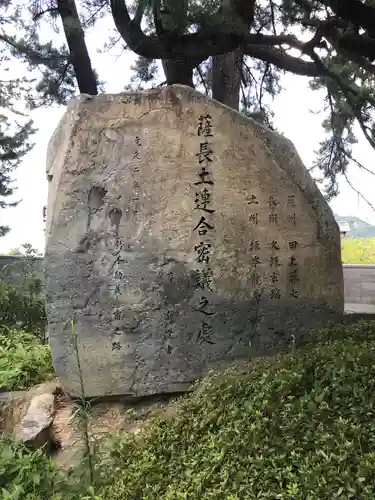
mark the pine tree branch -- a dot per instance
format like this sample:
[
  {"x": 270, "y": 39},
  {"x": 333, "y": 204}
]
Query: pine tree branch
[
  {"x": 244, "y": 10},
  {"x": 280, "y": 59},
  {"x": 351, "y": 93},
  {"x": 202, "y": 79},
  {"x": 40, "y": 14},
  {"x": 358, "y": 163},
  {"x": 31, "y": 54},
  {"x": 157, "y": 17},
  {"x": 79, "y": 54},
  {"x": 358, "y": 192},
  {"x": 196, "y": 46},
  {"x": 336, "y": 31},
  {"x": 355, "y": 12},
  {"x": 139, "y": 12}
]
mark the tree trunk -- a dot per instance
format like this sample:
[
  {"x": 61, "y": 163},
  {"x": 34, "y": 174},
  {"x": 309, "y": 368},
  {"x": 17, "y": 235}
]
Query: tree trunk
[
  {"x": 79, "y": 55},
  {"x": 178, "y": 72},
  {"x": 174, "y": 20},
  {"x": 226, "y": 78}
]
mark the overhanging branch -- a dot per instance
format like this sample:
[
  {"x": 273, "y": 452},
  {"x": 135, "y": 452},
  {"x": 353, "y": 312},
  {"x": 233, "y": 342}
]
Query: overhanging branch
[
  {"x": 284, "y": 61},
  {"x": 170, "y": 45},
  {"x": 198, "y": 46},
  {"x": 355, "y": 12}
]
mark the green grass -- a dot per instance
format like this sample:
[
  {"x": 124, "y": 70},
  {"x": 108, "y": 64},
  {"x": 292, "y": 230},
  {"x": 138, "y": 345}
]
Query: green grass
[
  {"x": 358, "y": 251},
  {"x": 24, "y": 361},
  {"x": 297, "y": 427},
  {"x": 300, "y": 427}
]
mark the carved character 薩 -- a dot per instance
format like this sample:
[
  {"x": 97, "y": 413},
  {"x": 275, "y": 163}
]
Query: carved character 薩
[{"x": 205, "y": 126}]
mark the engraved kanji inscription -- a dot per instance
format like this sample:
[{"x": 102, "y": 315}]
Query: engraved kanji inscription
[
  {"x": 253, "y": 200},
  {"x": 118, "y": 274},
  {"x": 293, "y": 261},
  {"x": 116, "y": 346},
  {"x": 204, "y": 307},
  {"x": 203, "y": 226},
  {"x": 203, "y": 200},
  {"x": 204, "y": 279},
  {"x": 291, "y": 201},
  {"x": 120, "y": 245},
  {"x": 254, "y": 245},
  {"x": 205, "y": 152},
  {"x": 272, "y": 202},
  {"x": 204, "y": 177},
  {"x": 205, "y": 125},
  {"x": 292, "y": 245},
  {"x": 294, "y": 293},
  {"x": 293, "y": 277},
  {"x": 274, "y": 278},
  {"x": 119, "y": 259},
  {"x": 116, "y": 315},
  {"x": 253, "y": 218},
  {"x": 291, "y": 219},
  {"x": 203, "y": 252},
  {"x": 272, "y": 218},
  {"x": 116, "y": 290},
  {"x": 255, "y": 260},
  {"x": 255, "y": 279},
  {"x": 204, "y": 334},
  {"x": 275, "y": 293},
  {"x": 274, "y": 261},
  {"x": 275, "y": 245}
]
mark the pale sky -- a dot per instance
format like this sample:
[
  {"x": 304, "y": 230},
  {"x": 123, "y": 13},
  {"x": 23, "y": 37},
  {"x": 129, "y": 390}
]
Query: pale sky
[{"x": 292, "y": 117}]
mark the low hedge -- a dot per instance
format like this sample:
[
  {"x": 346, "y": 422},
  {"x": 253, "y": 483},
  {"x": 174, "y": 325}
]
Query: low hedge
[
  {"x": 298, "y": 427},
  {"x": 24, "y": 361}
]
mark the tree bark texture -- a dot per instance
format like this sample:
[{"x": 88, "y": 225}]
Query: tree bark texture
[
  {"x": 226, "y": 78},
  {"x": 79, "y": 54},
  {"x": 174, "y": 21},
  {"x": 178, "y": 72}
]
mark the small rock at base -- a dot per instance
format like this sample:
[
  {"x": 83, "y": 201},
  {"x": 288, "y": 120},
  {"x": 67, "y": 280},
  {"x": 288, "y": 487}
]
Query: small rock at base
[{"x": 34, "y": 429}]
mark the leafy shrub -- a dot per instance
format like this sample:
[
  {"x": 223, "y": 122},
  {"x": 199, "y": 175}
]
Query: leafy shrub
[
  {"x": 360, "y": 331},
  {"x": 24, "y": 474},
  {"x": 22, "y": 304},
  {"x": 358, "y": 251},
  {"x": 31, "y": 475},
  {"x": 23, "y": 360},
  {"x": 297, "y": 427}
]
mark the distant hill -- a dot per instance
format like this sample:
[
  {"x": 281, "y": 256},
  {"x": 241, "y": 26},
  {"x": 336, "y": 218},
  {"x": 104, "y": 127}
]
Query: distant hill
[{"x": 358, "y": 228}]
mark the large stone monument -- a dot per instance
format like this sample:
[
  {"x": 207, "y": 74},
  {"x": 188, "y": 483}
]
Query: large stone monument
[{"x": 180, "y": 235}]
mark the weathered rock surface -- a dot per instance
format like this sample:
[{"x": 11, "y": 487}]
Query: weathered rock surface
[
  {"x": 180, "y": 235},
  {"x": 35, "y": 427},
  {"x": 103, "y": 420},
  {"x": 11, "y": 409},
  {"x": 14, "y": 404}
]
